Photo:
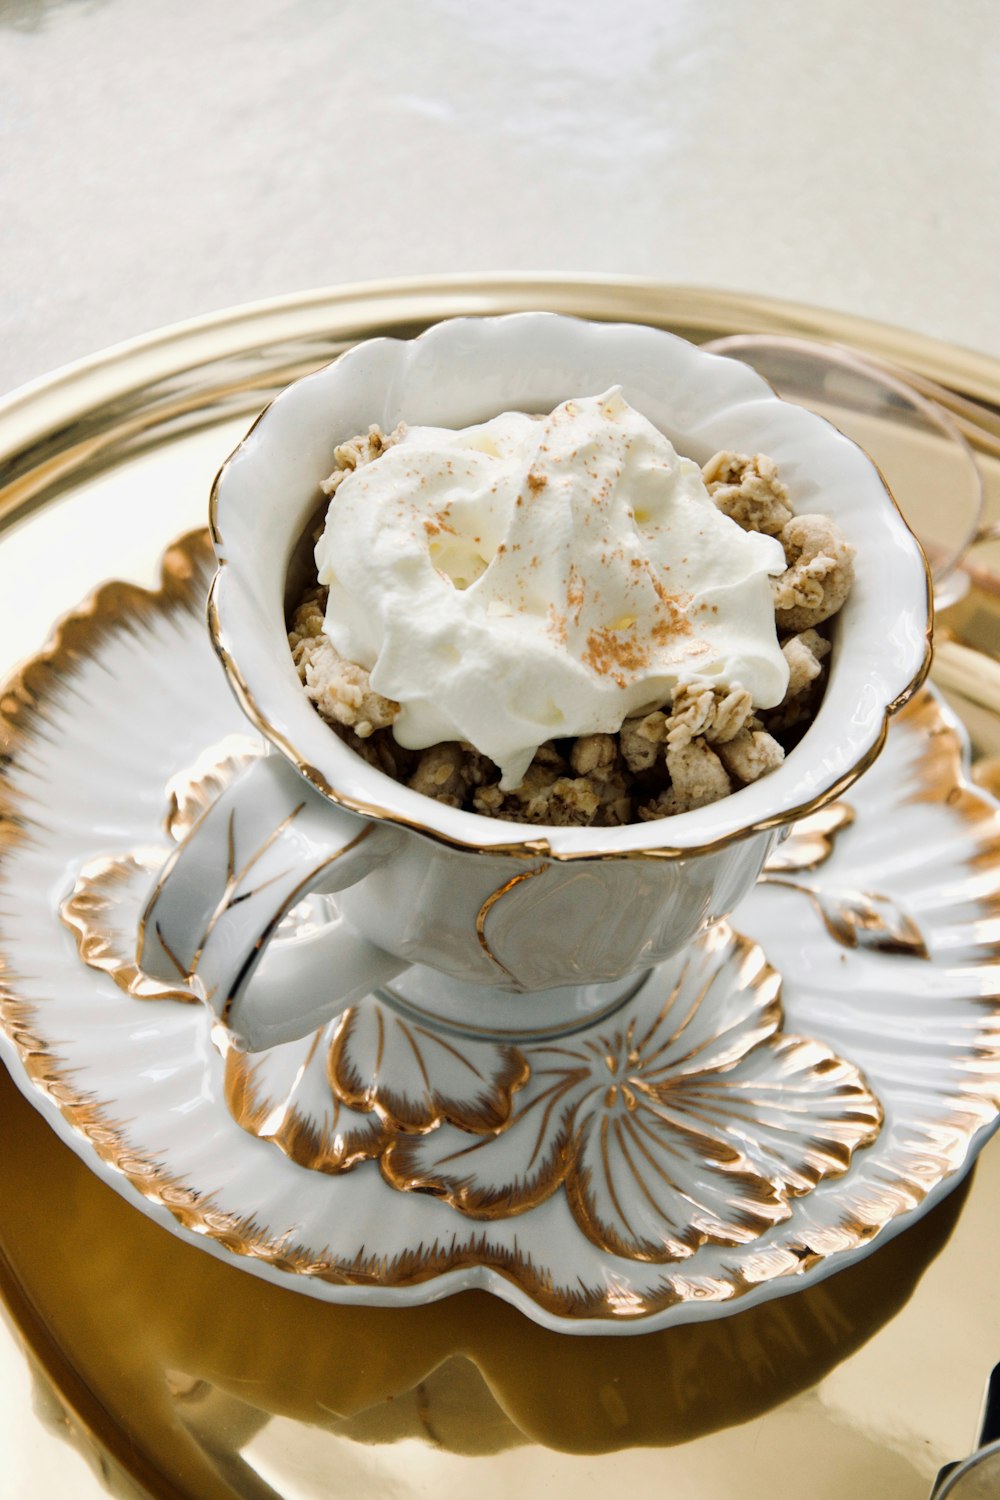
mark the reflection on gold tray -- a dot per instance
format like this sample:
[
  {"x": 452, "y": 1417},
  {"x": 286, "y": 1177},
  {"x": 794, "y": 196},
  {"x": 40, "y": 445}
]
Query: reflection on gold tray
[
  {"x": 202, "y": 1351},
  {"x": 203, "y": 1382}
]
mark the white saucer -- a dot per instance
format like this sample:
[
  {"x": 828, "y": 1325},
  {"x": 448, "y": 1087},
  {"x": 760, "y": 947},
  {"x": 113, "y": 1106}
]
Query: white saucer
[{"x": 753, "y": 1118}]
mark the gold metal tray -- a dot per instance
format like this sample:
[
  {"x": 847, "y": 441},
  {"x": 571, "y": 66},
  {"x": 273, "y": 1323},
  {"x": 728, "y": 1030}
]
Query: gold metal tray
[{"x": 182, "y": 1377}]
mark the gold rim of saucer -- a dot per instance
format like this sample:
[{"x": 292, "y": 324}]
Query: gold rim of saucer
[{"x": 117, "y": 607}]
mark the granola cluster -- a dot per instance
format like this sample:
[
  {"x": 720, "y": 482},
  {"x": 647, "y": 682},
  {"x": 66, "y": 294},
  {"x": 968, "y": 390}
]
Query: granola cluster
[{"x": 705, "y": 743}]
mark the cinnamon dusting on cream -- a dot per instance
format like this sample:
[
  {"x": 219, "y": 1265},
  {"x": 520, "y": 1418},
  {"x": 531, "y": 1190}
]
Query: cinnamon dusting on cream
[{"x": 558, "y": 565}]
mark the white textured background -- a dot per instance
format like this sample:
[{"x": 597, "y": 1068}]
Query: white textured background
[{"x": 158, "y": 159}]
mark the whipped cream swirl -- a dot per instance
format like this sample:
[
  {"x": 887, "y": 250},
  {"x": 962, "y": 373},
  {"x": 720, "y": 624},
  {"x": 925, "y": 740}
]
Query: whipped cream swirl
[{"x": 532, "y": 578}]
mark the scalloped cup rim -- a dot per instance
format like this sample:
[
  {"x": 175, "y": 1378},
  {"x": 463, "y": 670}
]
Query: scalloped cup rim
[{"x": 703, "y": 402}]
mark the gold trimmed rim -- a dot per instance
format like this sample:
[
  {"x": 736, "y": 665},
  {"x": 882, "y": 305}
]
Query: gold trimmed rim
[
  {"x": 488, "y": 906},
  {"x": 540, "y": 845}
]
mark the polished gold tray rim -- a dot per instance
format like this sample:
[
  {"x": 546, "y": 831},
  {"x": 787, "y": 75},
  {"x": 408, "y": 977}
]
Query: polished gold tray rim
[{"x": 404, "y": 299}]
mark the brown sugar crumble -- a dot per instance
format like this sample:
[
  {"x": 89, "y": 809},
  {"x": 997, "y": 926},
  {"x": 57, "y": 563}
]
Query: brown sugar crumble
[{"x": 704, "y": 743}]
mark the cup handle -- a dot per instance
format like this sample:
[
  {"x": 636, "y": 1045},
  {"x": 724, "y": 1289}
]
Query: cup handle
[{"x": 263, "y": 845}]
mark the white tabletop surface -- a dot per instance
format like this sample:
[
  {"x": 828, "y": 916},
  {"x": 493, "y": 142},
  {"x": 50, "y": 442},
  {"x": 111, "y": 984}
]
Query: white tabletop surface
[
  {"x": 158, "y": 161},
  {"x": 162, "y": 160}
]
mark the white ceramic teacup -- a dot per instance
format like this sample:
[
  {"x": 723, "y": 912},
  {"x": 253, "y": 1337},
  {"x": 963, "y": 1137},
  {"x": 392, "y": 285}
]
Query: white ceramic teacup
[{"x": 488, "y": 926}]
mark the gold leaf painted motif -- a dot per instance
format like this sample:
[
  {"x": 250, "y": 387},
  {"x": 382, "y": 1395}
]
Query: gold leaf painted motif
[
  {"x": 103, "y": 910},
  {"x": 501, "y": 1175},
  {"x": 415, "y": 1077},
  {"x": 811, "y": 840},
  {"x": 651, "y": 1124},
  {"x": 862, "y": 919},
  {"x": 282, "y": 1096},
  {"x": 488, "y": 906},
  {"x": 192, "y": 791}
]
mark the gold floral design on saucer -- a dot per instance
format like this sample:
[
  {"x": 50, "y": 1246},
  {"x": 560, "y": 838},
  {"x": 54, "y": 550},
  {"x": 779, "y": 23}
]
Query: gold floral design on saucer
[
  {"x": 695, "y": 1085},
  {"x": 692, "y": 1117},
  {"x": 694, "y": 1081},
  {"x": 856, "y": 919},
  {"x": 340, "y": 1096},
  {"x": 102, "y": 911},
  {"x": 138, "y": 1090}
]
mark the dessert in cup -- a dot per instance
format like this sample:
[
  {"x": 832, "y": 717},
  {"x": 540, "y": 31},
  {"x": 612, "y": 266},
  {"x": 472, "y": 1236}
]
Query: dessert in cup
[{"x": 569, "y": 677}]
